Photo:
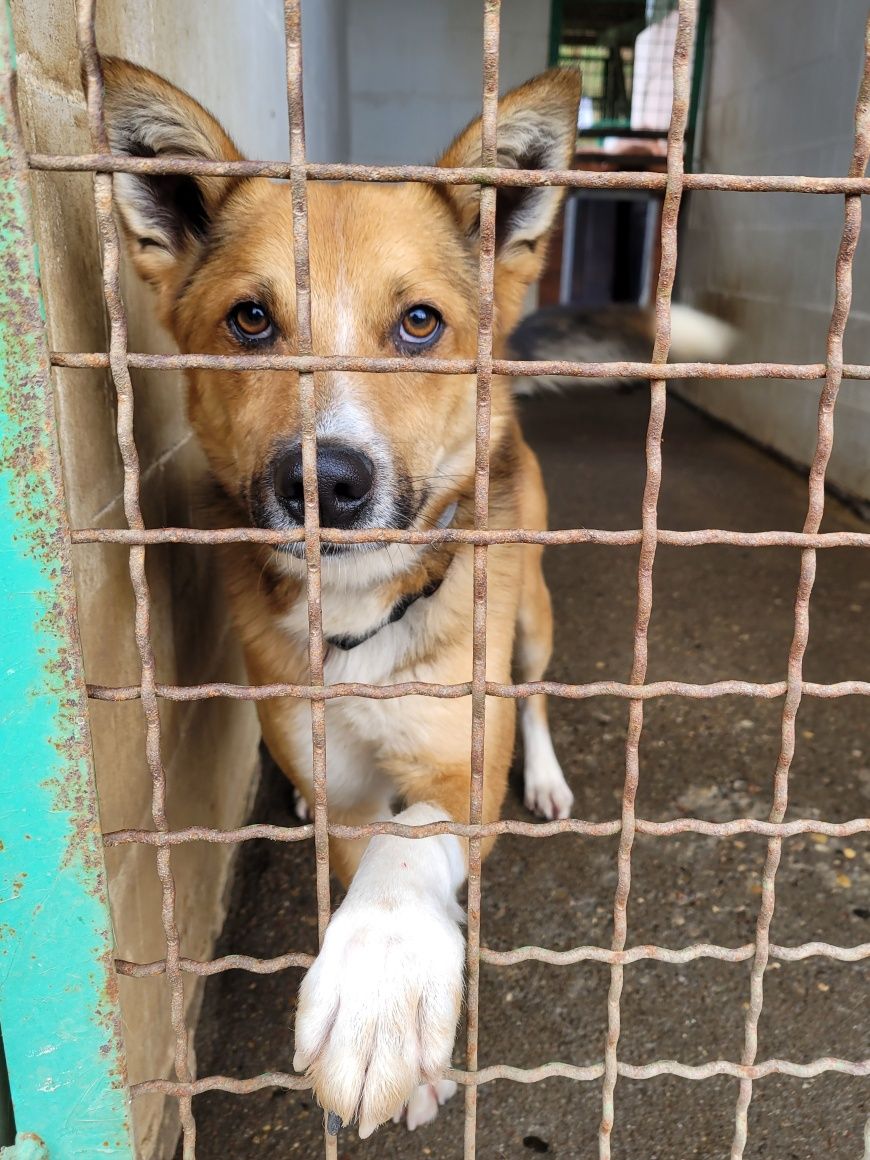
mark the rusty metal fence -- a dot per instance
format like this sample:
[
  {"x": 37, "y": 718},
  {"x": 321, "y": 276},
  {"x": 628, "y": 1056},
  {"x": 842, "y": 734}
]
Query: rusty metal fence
[{"x": 749, "y": 1069}]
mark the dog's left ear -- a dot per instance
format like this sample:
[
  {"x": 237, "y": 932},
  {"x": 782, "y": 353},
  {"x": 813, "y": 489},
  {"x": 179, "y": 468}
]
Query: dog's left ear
[{"x": 537, "y": 129}]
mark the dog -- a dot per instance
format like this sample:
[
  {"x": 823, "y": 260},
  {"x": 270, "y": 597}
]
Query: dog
[
  {"x": 617, "y": 333},
  {"x": 394, "y": 272}
]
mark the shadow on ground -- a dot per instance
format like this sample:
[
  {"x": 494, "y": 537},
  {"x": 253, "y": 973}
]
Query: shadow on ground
[{"x": 719, "y": 612}]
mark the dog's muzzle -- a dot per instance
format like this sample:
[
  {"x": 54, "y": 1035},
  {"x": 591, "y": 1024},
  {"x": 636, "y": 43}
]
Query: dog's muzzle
[{"x": 345, "y": 485}]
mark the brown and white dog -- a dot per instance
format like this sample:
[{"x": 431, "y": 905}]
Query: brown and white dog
[{"x": 393, "y": 272}]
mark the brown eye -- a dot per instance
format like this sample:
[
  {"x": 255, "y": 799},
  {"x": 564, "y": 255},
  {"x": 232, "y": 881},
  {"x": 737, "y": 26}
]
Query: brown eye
[
  {"x": 420, "y": 326},
  {"x": 250, "y": 322}
]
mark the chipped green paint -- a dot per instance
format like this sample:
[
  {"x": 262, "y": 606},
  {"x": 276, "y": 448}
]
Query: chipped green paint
[
  {"x": 58, "y": 993},
  {"x": 27, "y": 1146}
]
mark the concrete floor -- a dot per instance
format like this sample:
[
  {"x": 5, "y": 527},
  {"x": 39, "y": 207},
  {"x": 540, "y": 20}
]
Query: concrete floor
[{"x": 718, "y": 612}]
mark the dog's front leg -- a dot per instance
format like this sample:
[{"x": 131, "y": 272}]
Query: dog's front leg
[{"x": 378, "y": 1010}]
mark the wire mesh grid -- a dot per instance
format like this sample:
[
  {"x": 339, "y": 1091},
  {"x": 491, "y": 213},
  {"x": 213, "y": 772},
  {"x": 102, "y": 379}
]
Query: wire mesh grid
[{"x": 637, "y": 691}]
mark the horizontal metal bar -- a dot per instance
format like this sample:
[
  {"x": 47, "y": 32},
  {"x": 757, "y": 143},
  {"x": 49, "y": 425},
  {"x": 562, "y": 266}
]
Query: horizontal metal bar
[
  {"x": 579, "y": 692},
  {"x": 521, "y": 955},
  {"x": 522, "y": 829},
  {"x": 620, "y": 539},
  {"x": 216, "y": 966},
  {"x": 659, "y": 1067},
  {"x": 438, "y": 175},
  {"x": 669, "y": 955},
  {"x": 513, "y": 368}
]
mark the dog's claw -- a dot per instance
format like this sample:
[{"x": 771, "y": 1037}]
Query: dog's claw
[{"x": 334, "y": 1123}]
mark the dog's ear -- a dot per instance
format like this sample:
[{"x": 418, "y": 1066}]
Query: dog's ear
[
  {"x": 537, "y": 129},
  {"x": 164, "y": 217}
]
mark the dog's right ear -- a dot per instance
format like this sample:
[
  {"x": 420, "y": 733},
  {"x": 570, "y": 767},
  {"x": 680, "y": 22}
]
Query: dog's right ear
[{"x": 164, "y": 217}]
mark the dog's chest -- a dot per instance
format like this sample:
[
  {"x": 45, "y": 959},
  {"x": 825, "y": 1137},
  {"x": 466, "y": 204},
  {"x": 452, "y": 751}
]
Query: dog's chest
[{"x": 359, "y": 730}]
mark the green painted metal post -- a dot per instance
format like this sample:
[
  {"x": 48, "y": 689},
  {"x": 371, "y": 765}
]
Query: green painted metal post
[{"x": 59, "y": 1008}]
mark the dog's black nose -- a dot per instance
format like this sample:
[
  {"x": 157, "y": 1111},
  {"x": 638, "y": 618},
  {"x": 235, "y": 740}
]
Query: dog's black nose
[{"x": 344, "y": 484}]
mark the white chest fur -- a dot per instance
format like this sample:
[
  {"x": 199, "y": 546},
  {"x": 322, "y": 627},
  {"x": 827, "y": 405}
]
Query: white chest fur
[{"x": 358, "y": 730}]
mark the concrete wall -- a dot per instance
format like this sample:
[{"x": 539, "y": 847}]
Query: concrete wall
[
  {"x": 415, "y": 76},
  {"x": 782, "y": 85},
  {"x": 324, "y": 45},
  {"x": 213, "y": 47}
]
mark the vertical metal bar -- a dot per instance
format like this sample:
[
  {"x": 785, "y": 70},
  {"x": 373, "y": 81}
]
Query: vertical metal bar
[
  {"x": 812, "y": 523},
  {"x": 103, "y": 198},
  {"x": 59, "y": 1009},
  {"x": 485, "y": 294},
  {"x": 295, "y": 108},
  {"x": 658, "y": 403}
]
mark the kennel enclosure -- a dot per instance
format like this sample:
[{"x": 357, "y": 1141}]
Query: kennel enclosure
[{"x": 54, "y": 882}]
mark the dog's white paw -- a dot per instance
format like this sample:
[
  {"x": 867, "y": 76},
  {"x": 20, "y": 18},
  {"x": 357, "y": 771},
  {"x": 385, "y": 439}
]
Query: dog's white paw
[
  {"x": 553, "y": 802},
  {"x": 422, "y": 1107},
  {"x": 378, "y": 1010},
  {"x": 546, "y": 791}
]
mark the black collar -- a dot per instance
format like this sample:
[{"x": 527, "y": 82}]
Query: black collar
[{"x": 396, "y": 613}]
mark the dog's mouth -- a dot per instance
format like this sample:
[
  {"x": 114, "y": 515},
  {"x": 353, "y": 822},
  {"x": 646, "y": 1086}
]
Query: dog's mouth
[
  {"x": 382, "y": 511},
  {"x": 330, "y": 549}
]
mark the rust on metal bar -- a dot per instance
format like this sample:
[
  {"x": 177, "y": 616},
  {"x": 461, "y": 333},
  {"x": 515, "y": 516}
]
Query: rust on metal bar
[
  {"x": 111, "y": 250},
  {"x": 524, "y": 954},
  {"x": 215, "y": 966},
  {"x": 677, "y": 539},
  {"x": 658, "y": 401},
  {"x": 311, "y": 502},
  {"x": 505, "y": 826},
  {"x": 485, "y": 313},
  {"x": 275, "y": 1079},
  {"x": 815, "y": 511},
  {"x": 570, "y": 692},
  {"x": 438, "y": 175},
  {"x": 311, "y": 531},
  {"x": 515, "y": 368},
  {"x": 669, "y": 955}
]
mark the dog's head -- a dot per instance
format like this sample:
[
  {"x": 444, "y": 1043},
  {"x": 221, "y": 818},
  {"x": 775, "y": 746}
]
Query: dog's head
[{"x": 393, "y": 273}]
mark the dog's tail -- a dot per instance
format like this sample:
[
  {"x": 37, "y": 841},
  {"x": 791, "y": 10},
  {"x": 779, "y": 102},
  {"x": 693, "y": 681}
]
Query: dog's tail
[{"x": 612, "y": 334}]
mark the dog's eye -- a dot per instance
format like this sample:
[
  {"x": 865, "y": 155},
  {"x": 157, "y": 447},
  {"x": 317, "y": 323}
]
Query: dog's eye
[
  {"x": 250, "y": 322},
  {"x": 420, "y": 326}
]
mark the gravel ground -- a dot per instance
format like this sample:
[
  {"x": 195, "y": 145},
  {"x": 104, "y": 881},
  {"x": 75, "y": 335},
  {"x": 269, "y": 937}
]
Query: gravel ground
[{"x": 718, "y": 612}]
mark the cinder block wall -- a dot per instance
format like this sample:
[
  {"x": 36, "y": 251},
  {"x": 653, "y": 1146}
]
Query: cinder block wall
[
  {"x": 783, "y": 78},
  {"x": 213, "y": 48},
  {"x": 415, "y": 72}
]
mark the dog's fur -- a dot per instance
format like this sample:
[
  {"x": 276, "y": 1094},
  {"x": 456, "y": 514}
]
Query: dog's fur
[{"x": 378, "y": 1010}]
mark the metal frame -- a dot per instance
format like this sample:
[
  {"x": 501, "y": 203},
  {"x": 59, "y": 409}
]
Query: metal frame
[{"x": 673, "y": 183}]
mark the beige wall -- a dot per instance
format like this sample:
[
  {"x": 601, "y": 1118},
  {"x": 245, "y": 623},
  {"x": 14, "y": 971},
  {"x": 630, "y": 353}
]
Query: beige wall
[
  {"x": 781, "y": 99},
  {"x": 209, "y": 749}
]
